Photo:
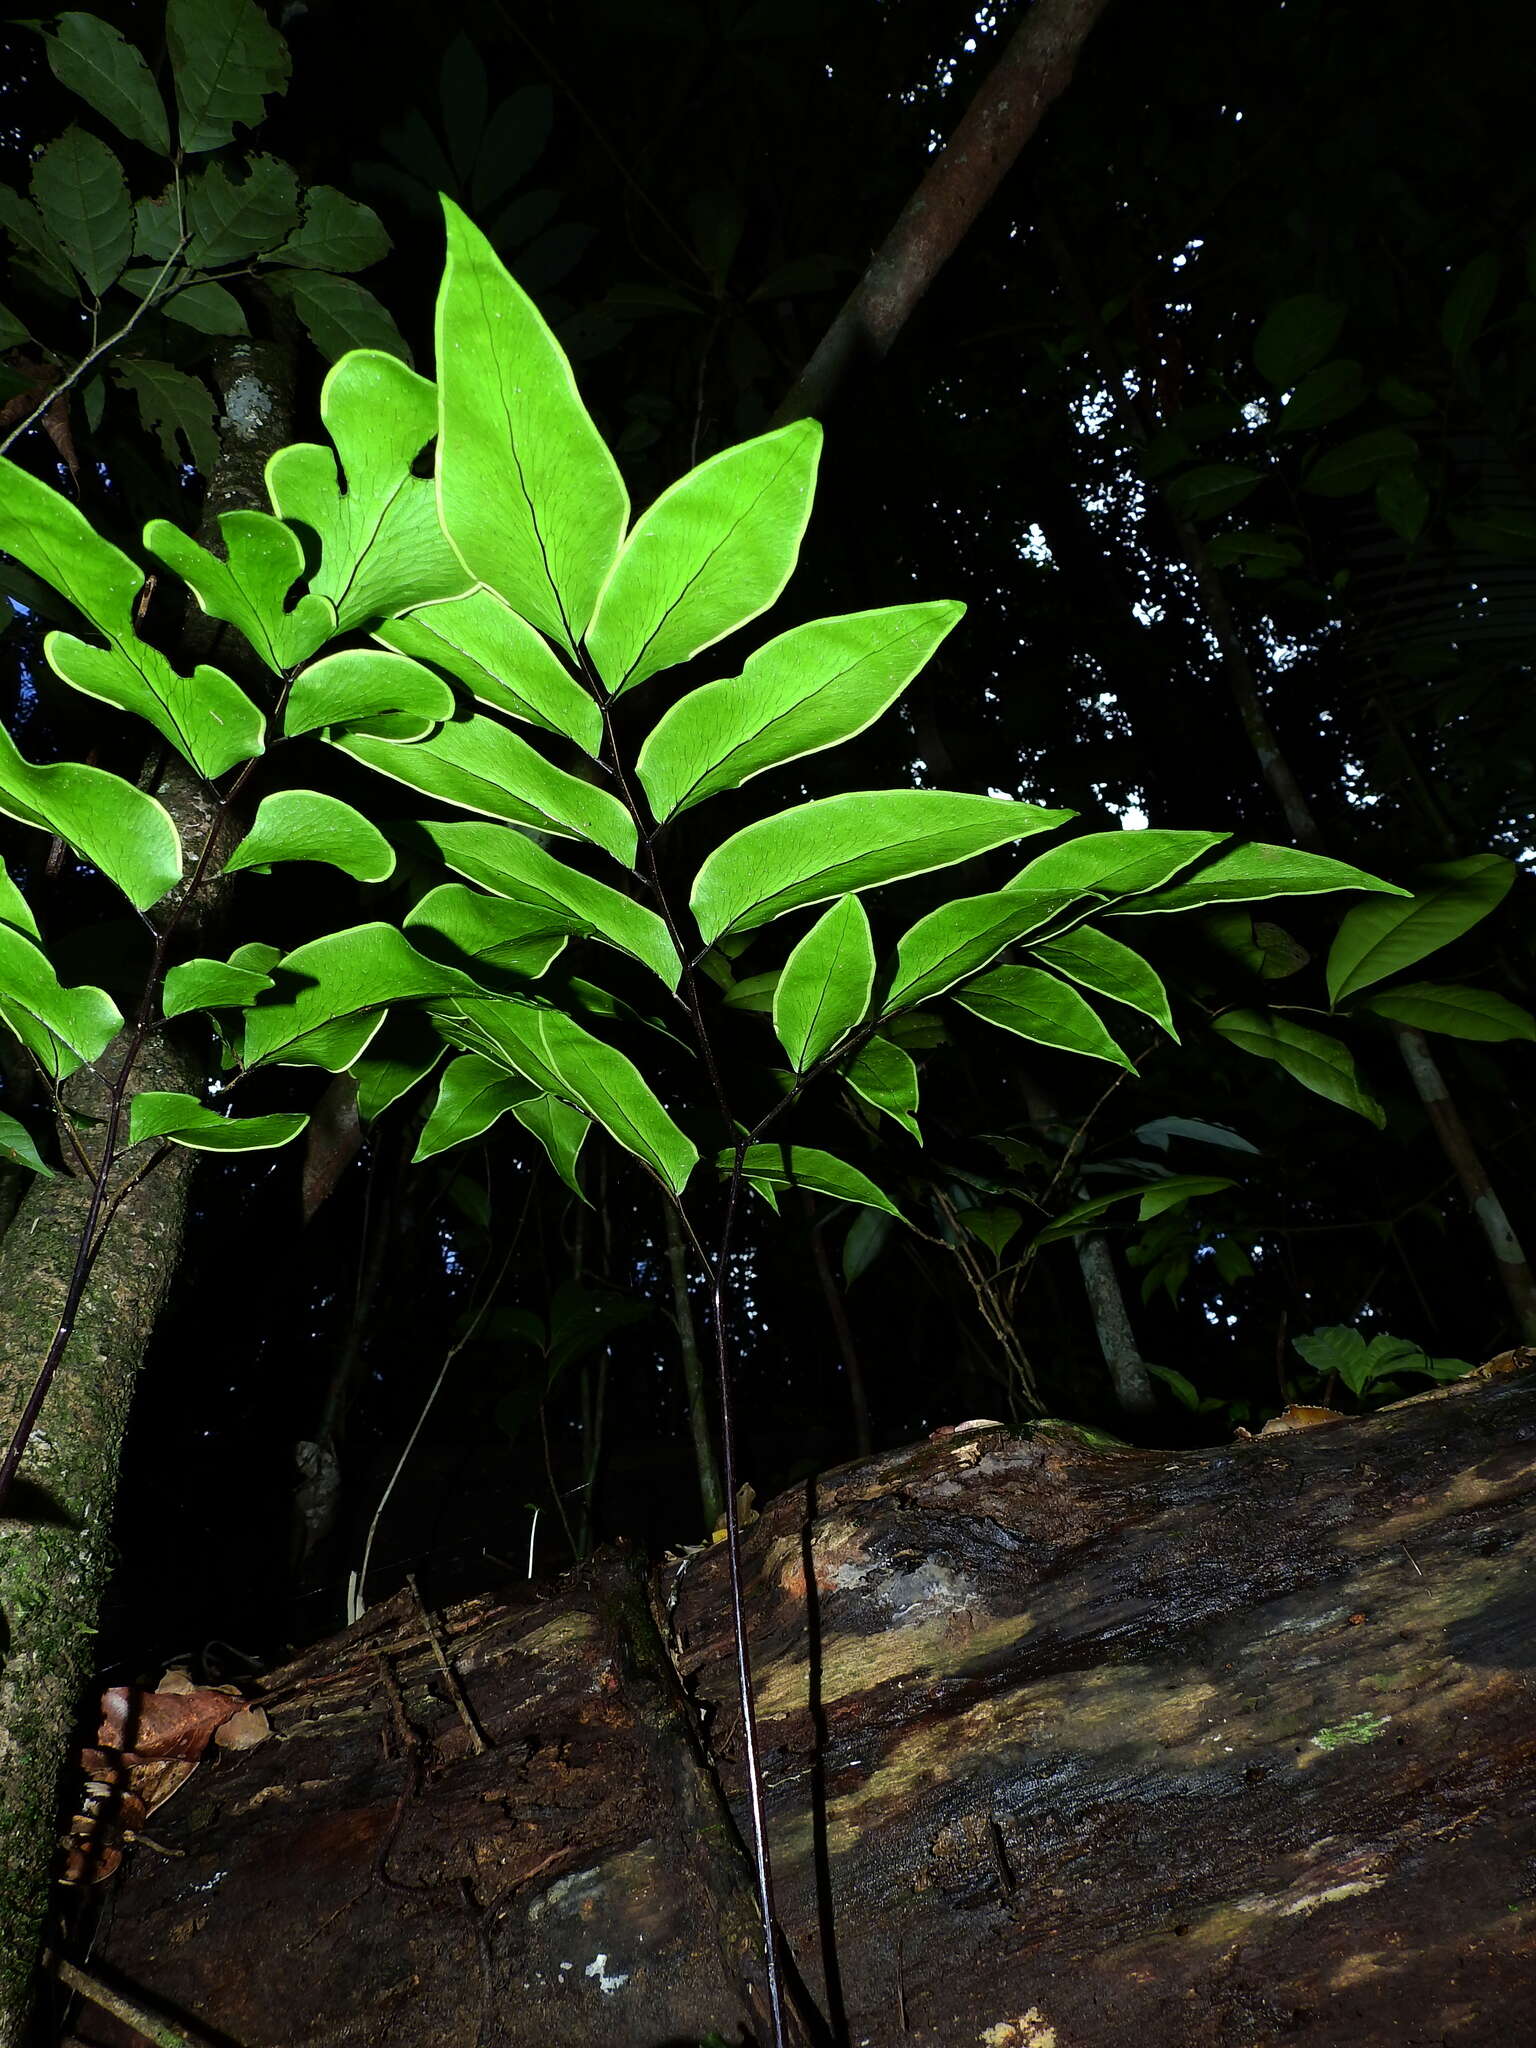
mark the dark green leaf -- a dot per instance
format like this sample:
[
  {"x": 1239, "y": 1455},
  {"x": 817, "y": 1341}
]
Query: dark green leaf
[
  {"x": 1455, "y": 1011},
  {"x": 81, "y": 194},
  {"x": 339, "y": 313},
  {"x": 226, "y": 57},
  {"x": 1376, "y": 939},
  {"x": 38, "y": 249},
  {"x": 1215, "y": 487},
  {"x": 1470, "y": 302},
  {"x": 1310, "y": 1057},
  {"x": 1093, "y": 959},
  {"x": 1360, "y": 464},
  {"x": 1153, "y": 1196},
  {"x": 1297, "y": 335},
  {"x": 176, "y": 407},
  {"x": 16, "y": 1145},
  {"x": 234, "y": 219},
  {"x": 1324, "y": 394},
  {"x": 90, "y": 58},
  {"x": 338, "y": 233}
]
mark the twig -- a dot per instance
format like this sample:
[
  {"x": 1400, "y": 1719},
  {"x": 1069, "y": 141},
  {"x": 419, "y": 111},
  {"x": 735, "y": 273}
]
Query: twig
[
  {"x": 148, "y": 2025},
  {"x": 477, "y": 1741},
  {"x": 56, "y": 391}
]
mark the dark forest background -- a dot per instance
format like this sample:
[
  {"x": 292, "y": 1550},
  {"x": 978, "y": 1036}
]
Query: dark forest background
[{"x": 689, "y": 191}]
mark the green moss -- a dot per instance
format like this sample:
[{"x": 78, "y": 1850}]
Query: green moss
[{"x": 1359, "y": 1728}]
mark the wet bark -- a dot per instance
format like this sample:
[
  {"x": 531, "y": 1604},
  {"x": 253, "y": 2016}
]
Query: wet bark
[
  {"x": 56, "y": 1551},
  {"x": 1063, "y": 1744}
]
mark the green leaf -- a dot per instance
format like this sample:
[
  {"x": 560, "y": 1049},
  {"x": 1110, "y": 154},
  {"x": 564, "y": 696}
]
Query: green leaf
[
  {"x": 16, "y": 1144},
  {"x": 338, "y": 233},
  {"x": 489, "y": 930},
  {"x": 1402, "y": 502},
  {"x": 359, "y": 683},
  {"x": 1455, "y": 1011},
  {"x": 563, "y": 1058},
  {"x": 1509, "y": 531},
  {"x": 885, "y": 1075},
  {"x": 330, "y": 996},
  {"x": 1376, "y": 939},
  {"x": 511, "y": 865},
  {"x": 81, "y": 193},
  {"x": 1323, "y": 395},
  {"x": 1470, "y": 301},
  {"x": 995, "y": 1227},
  {"x": 853, "y": 842},
  {"x": 800, "y": 1166},
  {"x": 1162, "y": 1128},
  {"x": 500, "y": 657},
  {"x": 12, "y": 330},
  {"x": 472, "y": 1095},
  {"x": 1094, "y": 960},
  {"x": 226, "y": 57},
  {"x": 714, "y": 551},
  {"x": 1297, "y": 334},
  {"x": 1260, "y": 554},
  {"x": 39, "y": 250},
  {"x": 1214, "y": 487},
  {"x": 186, "y": 1121},
  {"x": 119, "y": 829},
  {"x": 205, "y": 307},
  {"x": 91, "y": 59},
  {"x": 1184, "y": 1389},
  {"x": 811, "y": 688},
  {"x": 1248, "y": 873},
  {"x": 560, "y": 1129},
  {"x": 529, "y": 495},
  {"x": 753, "y": 992},
  {"x": 1039, "y": 1007},
  {"x": 476, "y": 764},
  {"x": 234, "y": 219},
  {"x": 1310, "y": 1057},
  {"x": 206, "y": 717},
  {"x": 1360, "y": 464},
  {"x": 1154, "y": 1198},
  {"x": 1342, "y": 1351},
  {"x": 211, "y": 985},
  {"x": 338, "y": 313},
  {"x": 174, "y": 406},
  {"x": 959, "y": 938},
  {"x": 1109, "y": 864},
  {"x": 825, "y": 987},
  {"x": 305, "y": 824},
  {"x": 866, "y": 1234},
  {"x": 405, "y": 1051},
  {"x": 381, "y": 548},
  {"x": 263, "y": 559},
  {"x": 14, "y": 908},
  {"x": 63, "y": 1028}
]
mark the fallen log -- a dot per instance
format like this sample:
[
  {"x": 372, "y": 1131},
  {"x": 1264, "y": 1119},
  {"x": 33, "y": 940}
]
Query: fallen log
[{"x": 1066, "y": 1746}]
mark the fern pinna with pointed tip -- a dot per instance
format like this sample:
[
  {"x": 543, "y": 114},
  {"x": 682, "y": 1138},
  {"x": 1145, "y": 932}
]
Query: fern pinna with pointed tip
[{"x": 492, "y": 622}]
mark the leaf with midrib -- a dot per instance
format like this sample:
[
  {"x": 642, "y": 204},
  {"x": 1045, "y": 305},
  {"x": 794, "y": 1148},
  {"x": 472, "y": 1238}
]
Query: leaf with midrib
[
  {"x": 1253, "y": 872},
  {"x": 1376, "y": 939},
  {"x": 842, "y": 844},
  {"x": 90, "y": 58},
  {"x": 714, "y": 551},
  {"x": 1317, "y": 1061},
  {"x": 1039, "y": 1007},
  {"x": 528, "y": 493},
  {"x": 183, "y": 1120},
  {"x": 64, "y": 1028},
  {"x": 510, "y": 864},
  {"x": 825, "y": 987},
  {"x": 306, "y": 824},
  {"x": 499, "y": 656},
  {"x": 477, "y": 764},
  {"x": 811, "y": 688},
  {"x": 329, "y": 996},
  {"x": 119, "y": 829},
  {"x": 802, "y": 1166}
]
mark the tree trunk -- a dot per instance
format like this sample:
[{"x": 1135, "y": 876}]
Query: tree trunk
[
  {"x": 1034, "y": 70},
  {"x": 55, "y": 1556},
  {"x": 1112, "y": 1325},
  {"x": 1064, "y": 1744}
]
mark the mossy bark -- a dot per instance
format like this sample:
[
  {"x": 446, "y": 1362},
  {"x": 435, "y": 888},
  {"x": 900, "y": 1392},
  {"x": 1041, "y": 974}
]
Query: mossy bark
[{"x": 56, "y": 1547}]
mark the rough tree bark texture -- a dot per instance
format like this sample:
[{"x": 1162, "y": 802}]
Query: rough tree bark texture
[
  {"x": 1066, "y": 1747},
  {"x": 53, "y": 1571}
]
